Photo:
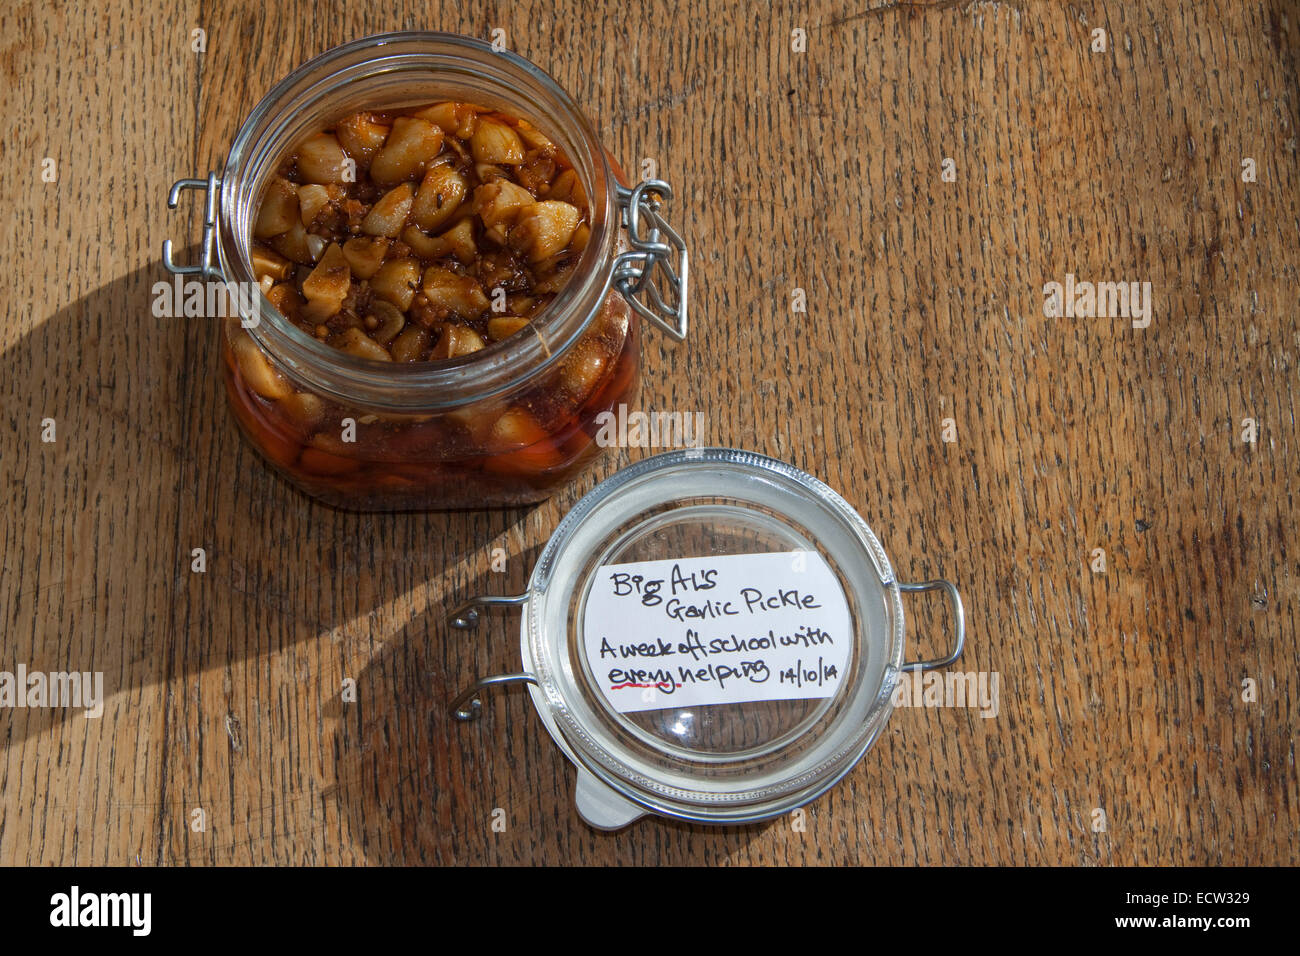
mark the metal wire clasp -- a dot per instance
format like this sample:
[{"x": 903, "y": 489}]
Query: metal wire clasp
[
  {"x": 207, "y": 264},
  {"x": 648, "y": 269},
  {"x": 958, "y": 623},
  {"x": 467, "y": 705}
]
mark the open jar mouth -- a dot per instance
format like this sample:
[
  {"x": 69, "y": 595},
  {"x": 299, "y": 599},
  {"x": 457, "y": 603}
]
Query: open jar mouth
[{"x": 390, "y": 71}]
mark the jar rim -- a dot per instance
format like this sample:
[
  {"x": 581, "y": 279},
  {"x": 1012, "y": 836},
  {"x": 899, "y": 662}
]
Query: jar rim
[{"x": 432, "y": 385}]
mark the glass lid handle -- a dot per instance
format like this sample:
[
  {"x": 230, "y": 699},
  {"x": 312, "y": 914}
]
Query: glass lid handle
[
  {"x": 958, "y": 620},
  {"x": 602, "y": 807}
]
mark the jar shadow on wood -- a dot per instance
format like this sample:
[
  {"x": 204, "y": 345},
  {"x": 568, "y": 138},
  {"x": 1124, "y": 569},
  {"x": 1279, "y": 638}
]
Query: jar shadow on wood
[
  {"x": 147, "y": 543},
  {"x": 414, "y": 787}
]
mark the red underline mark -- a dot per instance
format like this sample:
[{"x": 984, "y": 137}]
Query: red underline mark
[{"x": 659, "y": 686}]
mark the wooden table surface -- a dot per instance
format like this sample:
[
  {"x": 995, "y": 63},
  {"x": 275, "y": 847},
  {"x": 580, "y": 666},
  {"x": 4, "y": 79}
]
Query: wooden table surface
[{"x": 1161, "y": 692}]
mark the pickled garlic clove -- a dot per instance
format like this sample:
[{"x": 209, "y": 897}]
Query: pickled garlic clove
[
  {"x": 457, "y": 340},
  {"x": 365, "y": 254},
  {"x": 286, "y": 299},
  {"x": 275, "y": 443},
  {"x": 412, "y": 145},
  {"x": 315, "y": 246},
  {"x": 328, "y": 284},
  {"x": 568, "y": 188},
  {"x": 294, "y": 244},
  {"x": 556, "y": 279},
  {"x": 355, "y": 342},
  {"x": 455, "y": 294},
  {"x": 362, "y": 136},
  {"x": 460, "y": 241},
  {"x": 532, "y": 136},
  {"x": 458, "y": 118},
  {"x": 581, "y": 236},
  {"x": 426, "y": 247},
  {"x": 515, "y": 428},
  {"x": 441, "y": 192},
  {"x": 490, "y": 172},
  {"x": 615, "y": 316},
  {"x": 279, "y": 211},
  {"x": 496, "y": 142},
  {"x": 544, "y": 229},
  {"x": 268, "y": 263},
  {"x": 321, "y": 160},
  {"x": 410, "y": 345},
  {"x": 388, "y": 216},
  {"x": 522, "y": 445},
  {"x": 498, "y": 204},
  {"x": 389, "y": 321},
  {"x": 255, "y": 369},
  {"x": 503, "y": 326},
  {"x": 312, "y": 198},
  {"x": 304, "y": 409},
  {"x": 396, "y": 281},
  {"x": 582, "y": 371}
]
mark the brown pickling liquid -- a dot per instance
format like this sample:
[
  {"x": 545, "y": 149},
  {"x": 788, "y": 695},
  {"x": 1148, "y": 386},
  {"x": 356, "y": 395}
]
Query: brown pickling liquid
[{"x": 445, "y": 461}]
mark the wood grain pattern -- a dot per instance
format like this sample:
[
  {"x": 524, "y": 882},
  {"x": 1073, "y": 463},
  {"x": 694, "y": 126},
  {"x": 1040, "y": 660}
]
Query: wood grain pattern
[{"x": 818, "y": 170}]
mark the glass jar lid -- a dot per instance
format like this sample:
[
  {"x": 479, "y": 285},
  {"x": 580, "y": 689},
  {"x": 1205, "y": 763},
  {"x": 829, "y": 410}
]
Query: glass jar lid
[{"x": 711, "y": 635}]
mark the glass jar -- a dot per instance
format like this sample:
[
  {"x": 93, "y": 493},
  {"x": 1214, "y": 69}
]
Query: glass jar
[{"x": 506, "y": 425}]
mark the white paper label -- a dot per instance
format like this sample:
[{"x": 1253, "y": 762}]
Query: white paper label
[{"x": 721, "y": 630}]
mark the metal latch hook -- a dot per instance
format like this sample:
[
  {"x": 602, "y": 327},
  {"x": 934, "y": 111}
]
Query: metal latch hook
[
  {"x": 207, "y": 266},
  {"x": 467, "y": 705},
  {"x": 653, "y": 275}
]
